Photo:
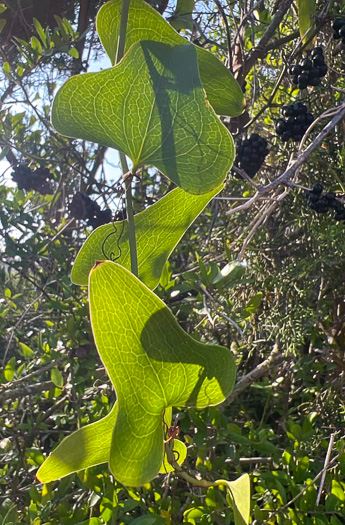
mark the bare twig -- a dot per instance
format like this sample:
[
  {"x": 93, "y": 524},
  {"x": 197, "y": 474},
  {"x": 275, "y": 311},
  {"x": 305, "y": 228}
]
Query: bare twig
[
  {"x": 275, "y": 358},
  {"x": 26, "y": 390},
  {"x": 325, "y": 466}
]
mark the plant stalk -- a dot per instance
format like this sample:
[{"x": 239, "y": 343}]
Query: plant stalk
[
  {"x": 130, "y": 216},
  {"x": 124, "y": 165}
]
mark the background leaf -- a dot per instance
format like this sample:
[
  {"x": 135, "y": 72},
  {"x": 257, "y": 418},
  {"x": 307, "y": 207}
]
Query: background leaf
[
  {"x": 158, "y": 229},
  {"x": 306, "y": 11},
  {"x": 144, "y": 23},
  {"x": 171, "y": 127},
  {"x": 240, "y": 496}
]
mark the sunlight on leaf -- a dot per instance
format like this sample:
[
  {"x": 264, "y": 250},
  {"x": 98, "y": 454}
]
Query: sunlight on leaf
[
  {"x": 144, "y": 23},
  {"x": 158, "y": 230},
  {"x": 152, "y": 107}
]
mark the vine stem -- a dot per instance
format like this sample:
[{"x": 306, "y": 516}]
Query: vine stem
[{"x": 123, "y": 161}]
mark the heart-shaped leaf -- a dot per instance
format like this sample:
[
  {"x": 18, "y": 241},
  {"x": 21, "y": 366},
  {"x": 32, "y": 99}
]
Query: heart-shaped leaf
[
  {"x": 144, "y": 23},
  {"x": 153, "y": 364},
  {"x": 158, "y": 229},
  {"x": 152, "y": 107}
]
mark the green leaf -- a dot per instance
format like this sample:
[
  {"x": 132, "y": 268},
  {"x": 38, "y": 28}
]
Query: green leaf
[
  {"x": 144, "y": 23},
  {"x": 182, "y": 17},
  {"x": 173, "y": 128},
  {"x": 158, "y": 230},
  {"x": 84, "y": 448},
  {"x": 153, "y": 364},
  {"x": 56, "y": 377},
  {"x": 231, "y": 272},
  {"x": 240, "y": 498},
  {"x": 10, "y": 369},
  {"x": 306, "y": 12},
  {"x": 26, "y": 351},
  {"x": 337, "y": 490},
  {"x": 73, "y": 52}
]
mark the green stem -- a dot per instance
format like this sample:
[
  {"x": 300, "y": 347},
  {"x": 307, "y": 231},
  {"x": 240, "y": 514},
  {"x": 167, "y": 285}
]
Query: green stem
[
  {"x": 123, "y": 29},
  {"x": 130, "y": 216},
  {"x": 123, "y": 160}
]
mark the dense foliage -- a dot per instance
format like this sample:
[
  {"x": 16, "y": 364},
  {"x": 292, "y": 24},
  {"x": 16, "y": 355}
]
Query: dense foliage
[{"x": 278, "y": 301}]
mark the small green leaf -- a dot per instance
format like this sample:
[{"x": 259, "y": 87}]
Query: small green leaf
[
  {"x": 73, "y": 52},
  {"x": 144, "y": 23},
  {"x": 158, "y": 229},
  {"x": 40, "y": 31},
  {"x": 26, "y": 351},
  {"x": 337, "y": 490},
  {"x": 231, "y": 272},
  {"x": 173, "y": 128},
  {"x": 56, "y": 377},
  {"x": 306, "y": 12},
  {"x": 240, "y": 498},
  {"x": 10, "y": 369}
]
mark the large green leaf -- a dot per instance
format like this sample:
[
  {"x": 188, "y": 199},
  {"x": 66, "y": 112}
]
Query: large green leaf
[
  {"x": 239, "y": 491},
  {"x": 144, "y": 23},
  {"x": 153, "y": 364},
  {"x": 158, "y": 230},
  {"x": 152, "y": 107}
]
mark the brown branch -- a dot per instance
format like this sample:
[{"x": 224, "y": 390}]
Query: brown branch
[
  {"x": 260, "y": 49},
  {"x": 275, "y": 358},
  {"x": 26, "y": 390}
]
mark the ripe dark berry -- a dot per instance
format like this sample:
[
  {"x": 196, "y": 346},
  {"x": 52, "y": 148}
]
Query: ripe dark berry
[
  {"x": 306, "y": 64},
  {"x": 295, "y": 70},
  {"x": 311, "y": 69},
  {"x": 315, "y": 72},
  {"x": 318, "y": 60},
  {"x": 309, "y": 118},
  {"x": 336, "y": 35},
  {"x": 317, "y": 189},
  {"x": 317, "y": 51},
  {"x": 338, "y": 24},
  {"x": 251, "y": 153},
  {"x": 323, "y": 70}
]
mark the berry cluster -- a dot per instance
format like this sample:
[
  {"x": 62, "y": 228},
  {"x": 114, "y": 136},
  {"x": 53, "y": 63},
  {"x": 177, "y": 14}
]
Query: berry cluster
[
  {"x": 298, "y": 119},
  {"x": 339, "y": 29},
  {"x": 82, "y": 208},
  {"x": 28, "y": 179},
  {"x": 311, "y": 69},
  {"x": 251, "y": 153},
  {"x": 323, "y": 203}
]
